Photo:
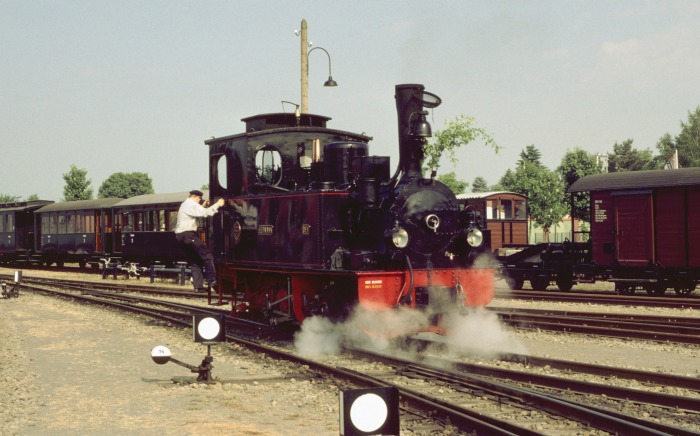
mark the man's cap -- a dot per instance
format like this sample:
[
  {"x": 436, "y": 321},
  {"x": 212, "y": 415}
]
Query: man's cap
[{"x": 196, "y": 192}]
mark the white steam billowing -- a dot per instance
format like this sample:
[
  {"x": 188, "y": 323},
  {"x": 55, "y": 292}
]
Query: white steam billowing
[{"x": 478, "y": 333}]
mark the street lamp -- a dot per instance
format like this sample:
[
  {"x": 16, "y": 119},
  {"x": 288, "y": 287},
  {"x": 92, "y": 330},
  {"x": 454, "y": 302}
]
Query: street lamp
[
  {"x": 330, "y": 81},
  {"x": 305, "y": 68}
]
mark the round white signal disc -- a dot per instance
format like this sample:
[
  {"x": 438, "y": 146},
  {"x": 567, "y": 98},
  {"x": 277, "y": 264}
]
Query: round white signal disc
[
  {"x": 208, "y": 328},
  {"x": 368, "y": 412},
  {"x": 160, "y": 354}
]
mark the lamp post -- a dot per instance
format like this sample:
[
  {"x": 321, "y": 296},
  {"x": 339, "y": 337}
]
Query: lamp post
[{"x": 305, "y": 68}]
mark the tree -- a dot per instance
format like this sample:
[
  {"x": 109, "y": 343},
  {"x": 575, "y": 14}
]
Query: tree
[
  {"x": 33, "y": 197},
  {"x": 126, "y": 185},
  {"x": 530, "y": 154},
  {"x": 544, "y": 189},
  {"x": 627, "y": 158},
  {"x": 457, "y": 133},
  {"x": 480, "y": 185},
  {"x": 687, "y": 142},
  {"x": 450, "y": 179},
  {"x": 574, "y": 165},
  {"x": 78, "y": 186},
  {"x": 508, "y": 179},
  {"x": 6, "y": 198}
]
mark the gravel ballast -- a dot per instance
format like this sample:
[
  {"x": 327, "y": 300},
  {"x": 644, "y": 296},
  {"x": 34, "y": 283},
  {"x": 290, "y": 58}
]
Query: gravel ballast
[{"x": 67, "y": 369}]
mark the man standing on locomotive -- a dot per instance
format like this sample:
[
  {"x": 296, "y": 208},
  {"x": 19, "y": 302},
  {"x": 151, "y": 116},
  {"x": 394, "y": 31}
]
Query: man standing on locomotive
[{"x": 198, "y": 254}]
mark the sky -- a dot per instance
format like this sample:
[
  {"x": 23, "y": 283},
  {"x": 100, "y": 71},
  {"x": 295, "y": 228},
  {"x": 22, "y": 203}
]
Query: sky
[{"x": 137, "y": 86}]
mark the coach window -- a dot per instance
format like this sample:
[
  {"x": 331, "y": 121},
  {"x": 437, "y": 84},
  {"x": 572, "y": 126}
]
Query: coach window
[
  {"x": 53, "y": 220},
  {"x": 172, "y": 220},
  {"x": 89, "y": 222},
  {"x": 2, "y": 222},
  {"x": 161, "y": 221},
  {"x": 126, "y": 222},
  {"x": 138, "y": 221},
  {"x": 507, "y": 209},
  {"x": 520, "y": 212},
  {"x": 70, "y": 222},
  {"x": 61, "y": 224},
  {"x": 80, "y": 222},
  {"x": 154, "y": 221},
  {"x": 490, "y": 209}
]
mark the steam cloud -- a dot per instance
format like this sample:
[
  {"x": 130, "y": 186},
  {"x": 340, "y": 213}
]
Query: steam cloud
[{"x": 479, "y": 333}]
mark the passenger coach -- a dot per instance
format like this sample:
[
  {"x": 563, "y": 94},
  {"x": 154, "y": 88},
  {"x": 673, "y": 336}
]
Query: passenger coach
[
  {"x": 75, "y": 231},
  {"x": 17, "y": 230},
  {"x": 144, "y": 228},
  {"x": 505, "y": 215}
]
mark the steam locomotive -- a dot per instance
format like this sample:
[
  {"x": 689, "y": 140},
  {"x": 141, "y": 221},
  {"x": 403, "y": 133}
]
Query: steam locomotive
[{"x": 315, "y": 225}]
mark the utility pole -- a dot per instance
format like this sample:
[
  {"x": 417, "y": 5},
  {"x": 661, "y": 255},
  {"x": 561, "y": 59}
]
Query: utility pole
[{"x": 304, "y": 69}]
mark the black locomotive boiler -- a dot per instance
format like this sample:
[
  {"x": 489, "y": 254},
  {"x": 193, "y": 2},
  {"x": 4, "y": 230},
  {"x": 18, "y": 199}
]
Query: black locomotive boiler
[{"x": 315, "y": 225}]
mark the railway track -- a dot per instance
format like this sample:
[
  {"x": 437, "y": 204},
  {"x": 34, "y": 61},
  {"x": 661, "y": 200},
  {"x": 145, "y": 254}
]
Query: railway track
[
  {"x": 684, "y": 330},
  {"x": 121, "y": 287},
  {"x": 627, "y": 326},
  {"x": 556, "y": 395},
  {"x": 607, "y": 298},
  {"x": 525, "y": 404}
]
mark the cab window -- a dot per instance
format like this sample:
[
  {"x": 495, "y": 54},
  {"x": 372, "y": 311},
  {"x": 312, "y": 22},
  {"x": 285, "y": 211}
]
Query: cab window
[{"x": 268, "y": 165}]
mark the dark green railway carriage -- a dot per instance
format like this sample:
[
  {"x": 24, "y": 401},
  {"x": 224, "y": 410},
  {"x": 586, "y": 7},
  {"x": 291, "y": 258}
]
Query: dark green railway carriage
[
  {"x": 17, "y": 230},
  {"x": 76, "y": 231}
]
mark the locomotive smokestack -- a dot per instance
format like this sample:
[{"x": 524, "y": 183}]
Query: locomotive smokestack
[{"x": 413, "y": 127}]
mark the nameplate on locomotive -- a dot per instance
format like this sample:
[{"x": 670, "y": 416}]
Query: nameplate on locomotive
[{"x": 265, "y": 230}]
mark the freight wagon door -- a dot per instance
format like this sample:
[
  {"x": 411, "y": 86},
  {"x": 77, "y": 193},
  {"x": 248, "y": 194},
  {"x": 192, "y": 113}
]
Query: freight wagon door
[
  {"x": 633, "y": 228},
  {"x": 671, "y": 238}
]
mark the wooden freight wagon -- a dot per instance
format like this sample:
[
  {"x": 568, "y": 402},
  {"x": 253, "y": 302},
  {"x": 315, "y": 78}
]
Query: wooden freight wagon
[
  {"x": 645, "y": 228},
  {"x": 505, "y": 214}
]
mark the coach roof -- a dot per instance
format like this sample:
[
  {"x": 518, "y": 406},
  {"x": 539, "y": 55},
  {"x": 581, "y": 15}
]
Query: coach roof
[
  {"x": 637, "y": 180},
  {"x": 151, "y": 199},
  {"x": 478, "y": 195},
  {"x": 100, "y": 203}
]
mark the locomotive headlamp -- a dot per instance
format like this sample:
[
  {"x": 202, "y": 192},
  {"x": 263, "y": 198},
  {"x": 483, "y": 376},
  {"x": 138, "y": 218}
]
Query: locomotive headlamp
[
  {"x": 474, "y": 237},
  {"x": 369, "y": 411},
  {"x": 399, "y": 237}
]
